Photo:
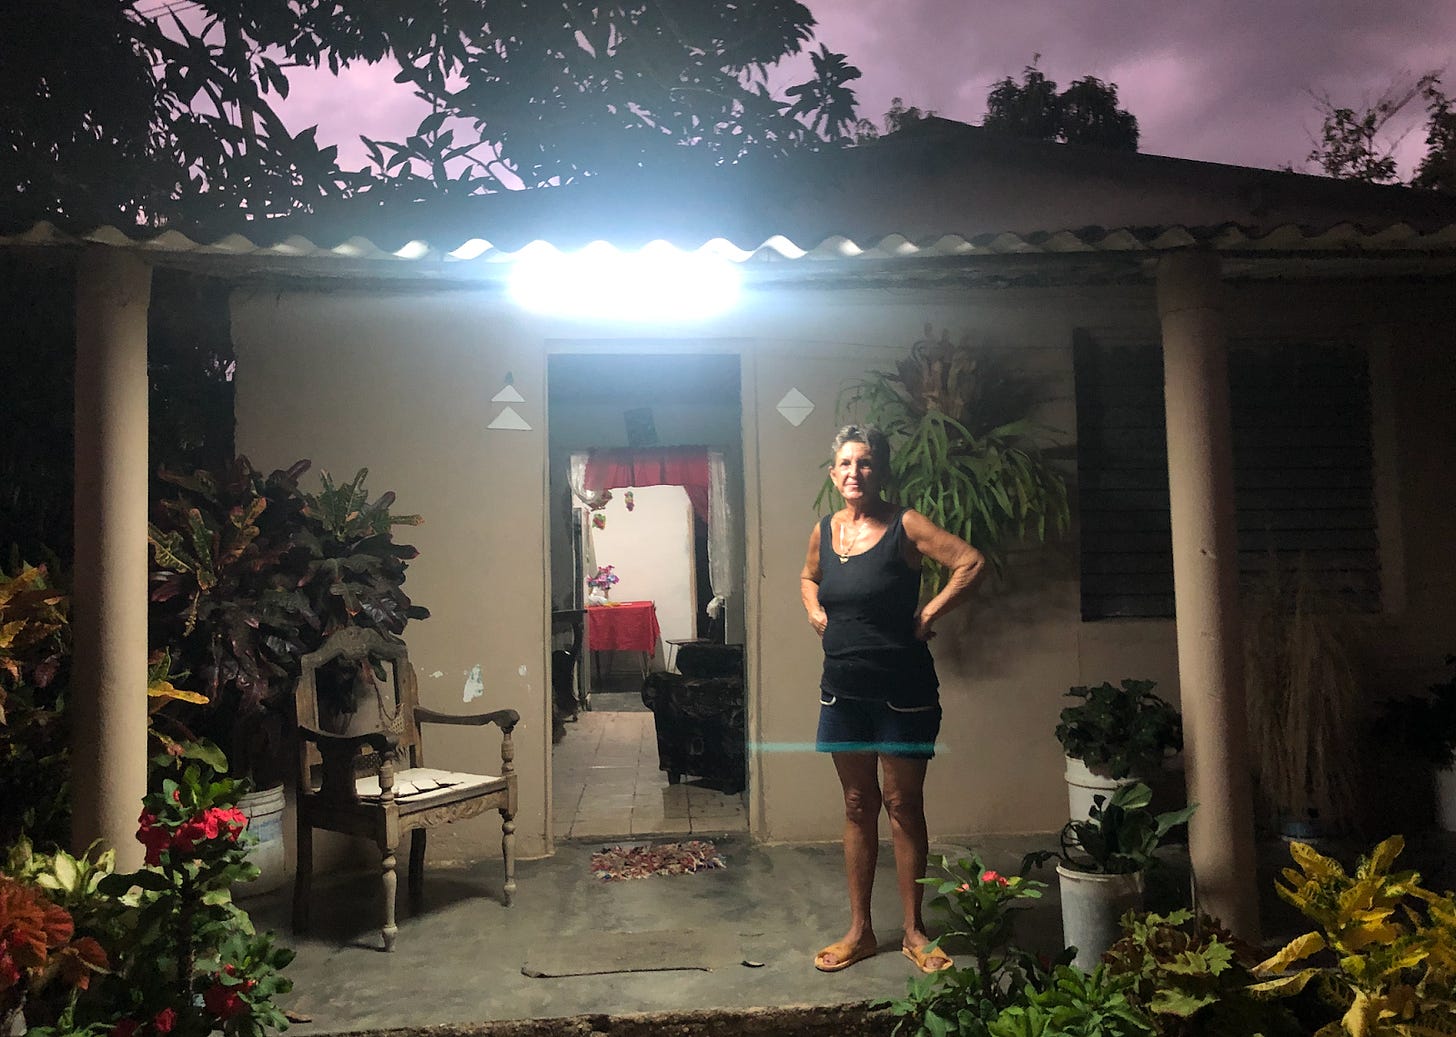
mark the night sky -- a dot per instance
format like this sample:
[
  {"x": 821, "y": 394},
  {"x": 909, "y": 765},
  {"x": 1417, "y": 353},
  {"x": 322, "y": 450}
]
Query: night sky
[{"x": 1221, "y": 80}]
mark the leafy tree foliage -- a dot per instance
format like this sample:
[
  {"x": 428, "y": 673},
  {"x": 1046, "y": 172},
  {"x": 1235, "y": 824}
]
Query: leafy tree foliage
[
  {"x": 1086, "y": 112},
  {"x": 825, "y": 101},
  {"x": 124, "y": 112},
  {"x": 546, "y": 91},
  {"x": 1360, "y": 143},
  {"x": 104, "y": 117},
  {"x": 897, "y": 118},
  {"x": 1437, "y": 170}
]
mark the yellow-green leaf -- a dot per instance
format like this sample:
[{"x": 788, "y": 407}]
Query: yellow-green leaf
[
  {"x": 1385, "y": 854},
  {"x": 1314, "y": 863},
  {"x": 64, "y": 866},
  {"x": 1284, "y": 986},
  {"x": 165, "y": 690},
  {"x": 1297, "y": 949}
]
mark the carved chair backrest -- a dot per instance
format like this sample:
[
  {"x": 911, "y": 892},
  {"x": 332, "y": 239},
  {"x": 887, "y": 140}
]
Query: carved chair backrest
[{"x": 361, "y": 669}]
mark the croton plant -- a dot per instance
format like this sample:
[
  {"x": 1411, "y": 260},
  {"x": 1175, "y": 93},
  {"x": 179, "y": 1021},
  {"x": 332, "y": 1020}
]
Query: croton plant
[{"x": 250, "y": 573}]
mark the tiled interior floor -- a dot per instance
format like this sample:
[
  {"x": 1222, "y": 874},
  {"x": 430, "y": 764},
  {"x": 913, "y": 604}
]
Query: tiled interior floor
[{"x": 606, "y": 783}]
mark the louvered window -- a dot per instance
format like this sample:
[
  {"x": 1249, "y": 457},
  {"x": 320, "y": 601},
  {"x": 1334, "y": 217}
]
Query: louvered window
[{"x": 1302, "y": 471}]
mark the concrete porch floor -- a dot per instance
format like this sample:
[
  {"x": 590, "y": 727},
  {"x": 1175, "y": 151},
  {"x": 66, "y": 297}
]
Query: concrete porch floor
[
  {"x": 459, "y": 954},
  {"x": 459, "y": 957}
]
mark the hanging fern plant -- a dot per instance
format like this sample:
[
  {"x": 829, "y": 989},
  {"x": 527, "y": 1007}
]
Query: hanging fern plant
[{"x": 964, "y": 453}]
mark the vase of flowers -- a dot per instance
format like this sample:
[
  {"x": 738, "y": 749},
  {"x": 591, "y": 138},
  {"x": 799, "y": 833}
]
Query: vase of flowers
[{"x": 601, "y": 585}]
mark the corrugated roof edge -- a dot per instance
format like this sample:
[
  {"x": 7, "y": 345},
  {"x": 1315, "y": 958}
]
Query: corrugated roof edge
[{"x": 1342, "y": 238}]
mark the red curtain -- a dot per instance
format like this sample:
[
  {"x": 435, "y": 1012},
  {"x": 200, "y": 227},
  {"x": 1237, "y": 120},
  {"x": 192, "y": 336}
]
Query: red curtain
[{"x": 664, "y": 466}]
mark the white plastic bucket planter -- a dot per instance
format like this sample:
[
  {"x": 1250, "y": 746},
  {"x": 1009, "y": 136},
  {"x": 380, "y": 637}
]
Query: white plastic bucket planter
[
  {"x": 264, "y": 810},
  {"x": 1092, "y": 903},
  {"x": 1083, "y": 783}
]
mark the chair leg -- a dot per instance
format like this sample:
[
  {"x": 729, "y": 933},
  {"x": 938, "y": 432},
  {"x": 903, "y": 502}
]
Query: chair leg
[
  {"x": 417, "y": 864},
  {"x": 508, "y": 850},
  {"x": 302, "y": 877},
  {"x": 391, "y": 882}
]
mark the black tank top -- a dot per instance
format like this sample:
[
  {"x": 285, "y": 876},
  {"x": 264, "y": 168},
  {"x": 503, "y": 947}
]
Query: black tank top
[{"x": 870, "y": 647}]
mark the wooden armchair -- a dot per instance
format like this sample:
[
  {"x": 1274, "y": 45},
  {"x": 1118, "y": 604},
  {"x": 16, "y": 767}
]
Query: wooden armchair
[{"x": 362, "y": 772}]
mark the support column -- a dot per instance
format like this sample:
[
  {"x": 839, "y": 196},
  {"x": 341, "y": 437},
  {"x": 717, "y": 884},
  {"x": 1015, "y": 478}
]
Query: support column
[
  {"x": 108, "y": 699},
  {"x": 1205, "y": 578}
]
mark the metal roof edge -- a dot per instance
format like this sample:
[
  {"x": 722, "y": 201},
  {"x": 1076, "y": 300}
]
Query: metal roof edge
[{"x": 1341, "y": 238}]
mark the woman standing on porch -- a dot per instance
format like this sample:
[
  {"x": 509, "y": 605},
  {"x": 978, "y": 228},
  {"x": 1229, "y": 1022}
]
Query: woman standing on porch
[{"x": 879, "y": 703}]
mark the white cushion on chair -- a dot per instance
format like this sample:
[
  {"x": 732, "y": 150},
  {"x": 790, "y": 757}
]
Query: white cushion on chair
[{"x": 417, "y": 784}]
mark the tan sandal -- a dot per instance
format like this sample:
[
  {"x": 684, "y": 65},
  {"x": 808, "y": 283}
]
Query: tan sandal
[
  {"x": 929, "y": 959},
  {"x": 845, "y": 955}
]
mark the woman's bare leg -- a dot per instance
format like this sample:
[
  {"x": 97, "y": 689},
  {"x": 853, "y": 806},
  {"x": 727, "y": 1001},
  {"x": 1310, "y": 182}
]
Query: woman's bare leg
[
  {"x": 904, "y": 799},
  {"x": 858, "y": 778}
]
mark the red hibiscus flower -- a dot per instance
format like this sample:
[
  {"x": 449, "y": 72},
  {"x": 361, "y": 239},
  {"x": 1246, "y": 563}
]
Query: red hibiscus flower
[
  {"x": 224, "y": 1002},
  {"x": 164, "y": 1020},
  {"x": 155, "y": 838},
  {"x": 231, "y": 822}
]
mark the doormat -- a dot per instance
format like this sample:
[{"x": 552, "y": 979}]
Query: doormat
[
  {"x": 638, "y": 862},
  {"x": 592, "y": 954}
]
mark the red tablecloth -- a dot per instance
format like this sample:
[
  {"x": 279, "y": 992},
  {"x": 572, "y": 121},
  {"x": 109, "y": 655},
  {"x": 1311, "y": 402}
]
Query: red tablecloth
[{"x": 630, "y": 626}]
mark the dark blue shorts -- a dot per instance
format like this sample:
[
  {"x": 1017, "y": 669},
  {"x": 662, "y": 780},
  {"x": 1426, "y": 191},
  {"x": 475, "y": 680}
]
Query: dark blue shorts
[{"x": 866, "y": 726}]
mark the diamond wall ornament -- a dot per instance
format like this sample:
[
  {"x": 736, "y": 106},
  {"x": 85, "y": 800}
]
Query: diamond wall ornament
[
  {"x": 795, "y": 407},
  {"x": 509, "y": 419}
]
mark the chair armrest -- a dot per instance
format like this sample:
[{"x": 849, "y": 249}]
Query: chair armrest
[{"x": 506, "y": 718}]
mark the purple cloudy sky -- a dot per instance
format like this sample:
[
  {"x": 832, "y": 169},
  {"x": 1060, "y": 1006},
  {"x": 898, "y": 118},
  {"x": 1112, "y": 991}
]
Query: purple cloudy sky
[{"x": 1220, "y": 80}]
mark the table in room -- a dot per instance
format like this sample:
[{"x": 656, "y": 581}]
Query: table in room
[{"x": 627, "y": 626}]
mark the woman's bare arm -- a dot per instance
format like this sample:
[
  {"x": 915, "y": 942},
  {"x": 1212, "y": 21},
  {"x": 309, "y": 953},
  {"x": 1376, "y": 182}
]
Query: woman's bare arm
[
  {"x": 963, "y": 562},
  {"x": 809, "y": 584}
]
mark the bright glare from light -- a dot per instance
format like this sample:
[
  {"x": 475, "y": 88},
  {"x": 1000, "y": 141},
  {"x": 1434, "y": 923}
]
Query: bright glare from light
[{"x": 659, "y": 283}]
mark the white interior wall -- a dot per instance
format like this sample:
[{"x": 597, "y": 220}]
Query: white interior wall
[{"x": 651, "y": 547}]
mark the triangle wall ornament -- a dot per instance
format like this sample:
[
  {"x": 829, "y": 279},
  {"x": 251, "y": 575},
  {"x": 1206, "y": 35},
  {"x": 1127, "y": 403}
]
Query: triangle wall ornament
[{"x": 508, "y": 419}]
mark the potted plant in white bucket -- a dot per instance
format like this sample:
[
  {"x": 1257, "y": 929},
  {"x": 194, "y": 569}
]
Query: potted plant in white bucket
[
  {"x": 1101, "y": 864},
  {"x": 1115, "y": 736},
  {"x": 250, "y": 572},
  {"x": 1426, "y": 724}
]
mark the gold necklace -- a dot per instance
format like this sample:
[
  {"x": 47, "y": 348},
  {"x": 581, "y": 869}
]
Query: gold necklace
[{"x": 844, "y": 554}]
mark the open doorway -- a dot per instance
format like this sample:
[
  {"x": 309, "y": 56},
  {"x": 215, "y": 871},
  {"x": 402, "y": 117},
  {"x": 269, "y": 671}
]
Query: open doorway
[{"x": 648, "y": 691}]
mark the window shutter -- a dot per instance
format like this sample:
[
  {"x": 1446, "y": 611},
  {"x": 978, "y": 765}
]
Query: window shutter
[{"x": 1302, "y": 470}]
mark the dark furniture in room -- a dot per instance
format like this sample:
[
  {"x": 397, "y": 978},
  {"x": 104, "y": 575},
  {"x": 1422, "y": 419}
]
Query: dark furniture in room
[
  {"x": 699, "y": 716},
  {"x": 567, "y": 672}
]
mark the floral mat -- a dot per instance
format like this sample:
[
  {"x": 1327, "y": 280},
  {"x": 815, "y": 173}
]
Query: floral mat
[{"x": 639, "y": 862}]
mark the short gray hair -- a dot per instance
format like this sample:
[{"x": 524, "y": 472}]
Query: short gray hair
[{"x": 870, "y": 436}]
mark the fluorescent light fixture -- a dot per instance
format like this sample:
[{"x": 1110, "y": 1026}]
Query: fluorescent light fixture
[{"x": 659, "y": 283}]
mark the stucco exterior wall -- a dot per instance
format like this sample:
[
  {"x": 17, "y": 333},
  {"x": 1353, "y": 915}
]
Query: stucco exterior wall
[
  {"x": 402, "y": 386},
  {"x": 401, "y": 383}
]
